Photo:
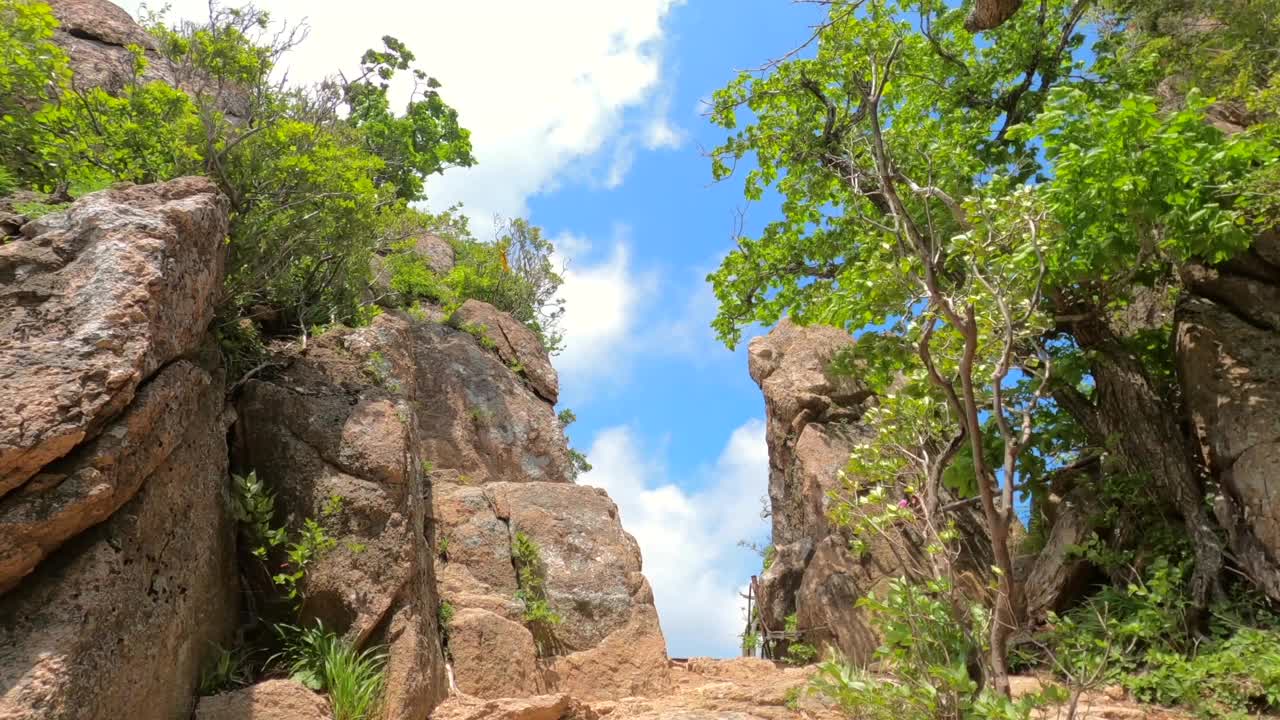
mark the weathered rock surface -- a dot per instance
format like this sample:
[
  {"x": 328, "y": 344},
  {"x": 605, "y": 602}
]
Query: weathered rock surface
[
  {"x": 699, "y": 689},
  {"x": 90, "y": 484},
  {"x": 813, "y": 422},
  {"x": 516, "y": 344},
  {"x": 538, "y": 707},
  {"x": 269, "y": 700},
  {"x": 482, "y": 424},
  {"x": 803, "y": 401},
  {"x": 592, "y": 565},
  {"x": 334, "y": 435},
  {"x": 811, "y": 427},
  {"x": 96, "y": 35},
  {"x": 743, "y": 689},
  {"x": 95, "y": 300},
  {"x": 1057, "y": 576},
  {"x": 493, "y": 657},
  {"x": 117, "y": 621},
  {"x": 1231, "y": 383},
  {"x": 609, "y": 642},
  {"x": 407, "y": 434},
  {"x": 630, "y": 661}
]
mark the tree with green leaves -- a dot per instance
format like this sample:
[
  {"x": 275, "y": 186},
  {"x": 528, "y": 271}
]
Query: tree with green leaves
[{"x": 979, "y": 204}]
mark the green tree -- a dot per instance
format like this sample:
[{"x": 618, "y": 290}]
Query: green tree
[
  {"x": 33, "y": 72},
  {"x": 424, "y": 140},
  {"x": 915, "y": 201}
]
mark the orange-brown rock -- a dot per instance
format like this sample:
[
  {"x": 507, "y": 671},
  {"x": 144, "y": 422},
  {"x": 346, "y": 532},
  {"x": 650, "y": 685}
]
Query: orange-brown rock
[
  {"x": 268, "y": 700},
  {"x": 630, "y": 661},
  {"x": 334, "y": 435},
  {"x": 538, "y": 707},
  {"x": 493, "y": 657},
  {"x": 93, "y": 302},
  {"x": 516, "y": 344},
  {"x": 118, "y": 621},
  {"x": 478, "y": 421}
]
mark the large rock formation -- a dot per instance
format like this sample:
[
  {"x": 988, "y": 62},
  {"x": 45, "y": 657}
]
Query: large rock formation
[
  {"x": 813, "y": 424},
  {"x": 334, "y": 435},
  {"x": 115, "y": 543},
  {"x": 93, "y": 302},
  {"x": 1227, "y": 336},
  {"x": 409, "y": 434},
  {"x": 99, "y": 36},
  {"x": 270, "y": 700}
]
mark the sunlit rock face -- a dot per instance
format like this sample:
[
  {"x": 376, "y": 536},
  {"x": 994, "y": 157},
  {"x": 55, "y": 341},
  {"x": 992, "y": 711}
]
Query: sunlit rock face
[
  {"x": 1227, "y": 344},
  {"x": 117, "y": 553},
  {"x": 814, "y": 420}
]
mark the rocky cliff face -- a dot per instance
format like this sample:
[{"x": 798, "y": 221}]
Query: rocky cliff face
[
  {"x": 814, "y": 420},
  {"x": 425, "y": 448},
  {"x": 426, "y": 453},
  {"x": 116, "y": 548},
  {"x": 1227, "y": 340},
  {"x": 1226, "y": 330}
]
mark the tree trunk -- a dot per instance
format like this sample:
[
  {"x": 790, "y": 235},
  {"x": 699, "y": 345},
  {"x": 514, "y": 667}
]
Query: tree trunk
[
  {"x": 1134, "y": 420},
  {"x": 990, "y": 14}
]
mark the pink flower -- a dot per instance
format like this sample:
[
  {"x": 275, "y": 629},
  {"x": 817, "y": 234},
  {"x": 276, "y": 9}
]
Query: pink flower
[{"x": 903, "y": 503}]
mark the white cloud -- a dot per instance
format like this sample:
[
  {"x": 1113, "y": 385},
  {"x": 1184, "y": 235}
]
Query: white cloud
[
  {"x": 603, "y": 302},
  {"x": 541, "y": 85},
  {"x": 689, "y": 537}
]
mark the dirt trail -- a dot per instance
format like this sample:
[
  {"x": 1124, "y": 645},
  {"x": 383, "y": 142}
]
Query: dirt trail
[{"x": 739, "y": 689}]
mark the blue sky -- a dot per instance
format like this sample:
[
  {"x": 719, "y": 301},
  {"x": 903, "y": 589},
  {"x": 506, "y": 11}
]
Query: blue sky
[
  {"x": 671, "y": 399},
  {"x": 587, "y": 118}
]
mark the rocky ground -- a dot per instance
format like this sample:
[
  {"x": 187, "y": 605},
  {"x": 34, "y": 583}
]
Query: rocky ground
[{"x": 744, "y": 689}]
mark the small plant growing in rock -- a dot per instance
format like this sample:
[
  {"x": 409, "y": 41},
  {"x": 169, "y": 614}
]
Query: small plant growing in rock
[
  {"x": 445, "y": 616},
  {"x": 323, "y": 661},
  {"x": 378, "y": 368},
  {"x": 417, "y": 312},
  {"x": 442, "y": 548},
  {"x": 578, "y": 463},
  {"x": 226, "y": 670},
  {"x": 311, "y": 543},
  {"x": 798, "y": 653},
  {"x": 577, "y": 459},
  {"x": 332, "y": 505},
  {"x": 480, "y": 415},
  {"x": 254, "y": 507},
  {"x": 480, "y": 333},
  {"x": 530, "y": 576}
]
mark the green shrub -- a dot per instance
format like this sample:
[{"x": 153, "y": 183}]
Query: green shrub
[
  {"x": 1227, "y": 678},
  {"x": 33, "y": 73},
  {"x": 325, "y": 662},
  {"x": 1140, "y": 636},
  {"x": 8, "y": 183},
  {"x": 517, "y": 275},
  {"x": 227, "y": 670},
  {"x": 927, "y": 661},
  {"x": 32, "y": 209}
]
